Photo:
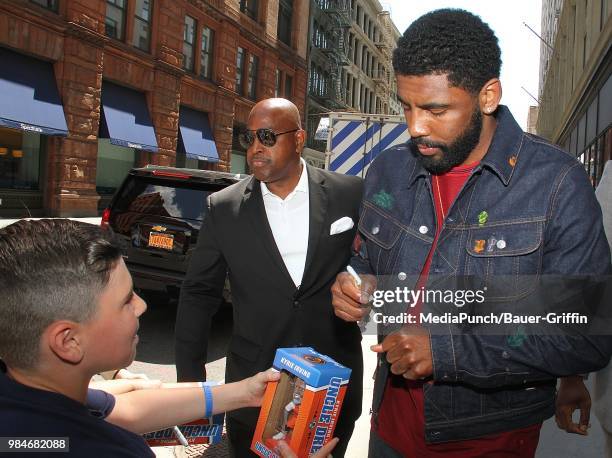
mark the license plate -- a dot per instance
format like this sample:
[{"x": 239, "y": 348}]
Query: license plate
[{"x": 159, "y": 240}]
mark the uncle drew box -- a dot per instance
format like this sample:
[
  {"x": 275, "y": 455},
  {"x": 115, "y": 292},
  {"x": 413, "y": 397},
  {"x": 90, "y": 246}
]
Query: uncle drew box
[
  {"x": 203, "y": 431},
  {"x": 303, "y": 406}
]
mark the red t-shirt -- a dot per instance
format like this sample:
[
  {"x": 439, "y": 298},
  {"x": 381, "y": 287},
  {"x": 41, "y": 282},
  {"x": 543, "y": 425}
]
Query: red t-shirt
[{"x": 401, "y": 419}]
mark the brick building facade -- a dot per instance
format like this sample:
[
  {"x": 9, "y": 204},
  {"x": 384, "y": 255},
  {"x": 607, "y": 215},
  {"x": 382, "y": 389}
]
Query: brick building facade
[{"x": 213, "y": 57}]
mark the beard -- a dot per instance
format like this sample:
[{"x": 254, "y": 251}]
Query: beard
[{"x": 454, "y": 154}]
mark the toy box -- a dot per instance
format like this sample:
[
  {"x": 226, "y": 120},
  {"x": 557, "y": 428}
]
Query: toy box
[
  {"x": 203, "y": 431},
  {"x": 303, "y": 406}
]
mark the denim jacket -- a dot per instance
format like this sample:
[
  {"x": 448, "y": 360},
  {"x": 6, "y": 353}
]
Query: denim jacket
[{"x": 539, "y": 201}]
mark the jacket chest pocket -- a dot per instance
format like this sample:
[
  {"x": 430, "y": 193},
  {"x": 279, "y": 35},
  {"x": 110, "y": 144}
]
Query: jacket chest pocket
[
  {"x": 505, "y": 258},
  {"x": 382, "y": 234},
  {"x": 392, "y": 247}
]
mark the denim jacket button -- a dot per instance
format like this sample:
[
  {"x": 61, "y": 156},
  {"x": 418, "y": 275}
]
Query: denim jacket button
[
  {"x": 423, "y": 230},
  {"x": 501, "y": 244},
  {"x": 402, "y": 276},
  {"x": 505, "y": 355},
  {"x": 375, "y": 230}
]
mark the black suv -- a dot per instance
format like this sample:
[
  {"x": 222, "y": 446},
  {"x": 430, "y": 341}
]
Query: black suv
[{"x": 157, "y": 214}]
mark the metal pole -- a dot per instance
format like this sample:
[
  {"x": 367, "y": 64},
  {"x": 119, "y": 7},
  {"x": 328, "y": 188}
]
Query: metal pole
[
  {"x": 542, "y": 39},
  {"x": 529, "y": 94},
  {"x": 365, "y": 144}
]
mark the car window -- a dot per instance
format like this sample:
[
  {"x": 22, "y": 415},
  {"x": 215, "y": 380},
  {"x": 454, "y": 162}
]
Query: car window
[{"x": 163, "y": 199}]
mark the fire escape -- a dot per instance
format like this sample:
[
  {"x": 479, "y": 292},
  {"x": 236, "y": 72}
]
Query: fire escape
[{"x": 334, "y": 18}]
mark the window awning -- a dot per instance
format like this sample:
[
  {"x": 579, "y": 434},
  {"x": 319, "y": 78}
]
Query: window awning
[
  {"x": 196, "y": 136},
  {"x": 29, "y": 99},
  {"x": 125, "y": 118}
]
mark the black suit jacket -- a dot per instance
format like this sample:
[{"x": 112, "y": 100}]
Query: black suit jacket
[{"x": 269, "y": 311}]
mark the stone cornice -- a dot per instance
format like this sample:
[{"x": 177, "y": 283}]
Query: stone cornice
[
  {"x": 169, "y": 68},
  {"x": 90, "y": 36}
]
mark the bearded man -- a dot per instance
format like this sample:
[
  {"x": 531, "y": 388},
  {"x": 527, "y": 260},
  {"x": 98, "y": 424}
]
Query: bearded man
[{"x": 475, "y": 207}]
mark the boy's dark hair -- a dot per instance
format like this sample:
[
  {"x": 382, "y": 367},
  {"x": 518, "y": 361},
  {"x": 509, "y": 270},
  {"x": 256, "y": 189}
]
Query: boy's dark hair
[
  {"x": 51, "y": 269},
  {"x": 453, "y": 42}
]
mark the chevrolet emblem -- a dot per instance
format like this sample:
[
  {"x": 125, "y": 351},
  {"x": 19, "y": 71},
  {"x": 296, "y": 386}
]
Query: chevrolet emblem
[{"x": 159, "y": 228}]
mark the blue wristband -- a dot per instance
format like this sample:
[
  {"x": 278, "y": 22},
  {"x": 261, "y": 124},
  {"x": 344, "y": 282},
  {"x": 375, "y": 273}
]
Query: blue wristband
[{"x": 208, "y": 401}]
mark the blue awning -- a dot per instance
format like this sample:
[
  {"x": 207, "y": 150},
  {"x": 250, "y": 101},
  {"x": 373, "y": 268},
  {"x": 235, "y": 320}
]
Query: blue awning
[
  {"x": 125, "y": 118},
  {"x": 29, "y": 99},
  {"x": 196, "y": 136}
]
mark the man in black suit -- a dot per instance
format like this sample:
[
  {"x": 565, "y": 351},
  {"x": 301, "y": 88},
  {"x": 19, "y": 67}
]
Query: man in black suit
[{"x": 283, "y": 235}]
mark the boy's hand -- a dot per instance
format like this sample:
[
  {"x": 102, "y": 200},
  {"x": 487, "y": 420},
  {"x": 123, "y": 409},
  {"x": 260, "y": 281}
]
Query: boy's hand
[
  {"x": 142, "y": 384},
  {"x": 125, "y": 374},
  {"x": 285, "y": 452},
  {"x": 255, "y": 387}
]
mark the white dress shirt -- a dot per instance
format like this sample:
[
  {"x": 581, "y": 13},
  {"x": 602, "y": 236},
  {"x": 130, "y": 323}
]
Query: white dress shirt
[{"x": 289, "y": 220}]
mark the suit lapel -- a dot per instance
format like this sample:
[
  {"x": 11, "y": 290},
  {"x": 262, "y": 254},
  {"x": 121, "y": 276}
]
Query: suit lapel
[
  {"x": 253, "y": 205},
  {"x": 317, "y": 191}
]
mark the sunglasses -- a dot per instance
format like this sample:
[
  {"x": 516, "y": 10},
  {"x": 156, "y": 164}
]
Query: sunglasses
[{"x": 267, "y": 137}]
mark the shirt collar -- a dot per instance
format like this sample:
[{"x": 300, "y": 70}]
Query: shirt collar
[
  {"x": 302, "y": 185},
  {"x": 503, "y": 153}
]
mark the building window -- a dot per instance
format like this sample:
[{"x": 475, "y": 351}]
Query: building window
[
  {"x": 113, "y": 164},
  {"x": 142, "y": 25},
  {"x": 283, "y": 85},
  {"x": 285, "y": 14},
  {"x": 238, "y": 163},
  {"x": 20, "y": 159},
  {"x": 252, "y": 77},
  {"x": 188, "y": 43},
  {"x": 115, "y": 19},
  {"x": 249, "y": 7},
  {"x": 319, "y": 37},
  {"x": 240, "y": 71},
  {"x": 277, "y": 83},
  {"x": 206, "y": 53},
  {"x": 364, "y": 56},
  {"x": 349, "y": 90},
  {"x": 51, "y": 5},
  {"x": 288, "y": 87}
]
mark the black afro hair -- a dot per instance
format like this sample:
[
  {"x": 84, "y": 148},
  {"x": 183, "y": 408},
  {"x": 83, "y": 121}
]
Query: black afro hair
[{"x": 453, "y": 42}]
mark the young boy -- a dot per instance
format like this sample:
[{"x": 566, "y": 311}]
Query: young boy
[{"x": 67, "y": 312}]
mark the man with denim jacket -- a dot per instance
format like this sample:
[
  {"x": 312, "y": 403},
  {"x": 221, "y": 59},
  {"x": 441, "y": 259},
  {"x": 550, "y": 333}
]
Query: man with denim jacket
[{"x": 471, "y": 202}]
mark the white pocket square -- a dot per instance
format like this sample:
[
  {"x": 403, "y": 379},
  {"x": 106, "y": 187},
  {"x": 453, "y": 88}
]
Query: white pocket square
[{"x": 342, "y": 225}]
